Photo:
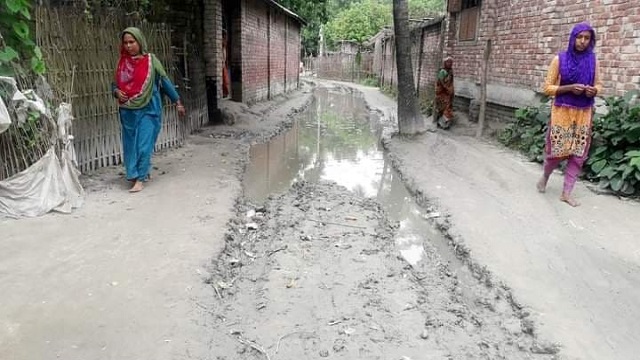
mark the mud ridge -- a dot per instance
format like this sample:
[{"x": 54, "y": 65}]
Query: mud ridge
[
  {"x": 314, "y": 273},
  {"x": 462, "y": 252},
  {"x": 444, "y": 226}
]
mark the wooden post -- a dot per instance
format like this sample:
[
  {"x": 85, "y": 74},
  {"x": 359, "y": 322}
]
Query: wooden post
[{"x": 483, "y": 89}]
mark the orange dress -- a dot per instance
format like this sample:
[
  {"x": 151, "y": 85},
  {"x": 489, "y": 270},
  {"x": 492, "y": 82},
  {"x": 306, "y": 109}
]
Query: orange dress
[{"x": 569, "y": 128}]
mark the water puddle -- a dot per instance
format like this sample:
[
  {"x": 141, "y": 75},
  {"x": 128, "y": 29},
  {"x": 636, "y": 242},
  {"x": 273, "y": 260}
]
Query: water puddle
[{"x": 337, "y": 139}]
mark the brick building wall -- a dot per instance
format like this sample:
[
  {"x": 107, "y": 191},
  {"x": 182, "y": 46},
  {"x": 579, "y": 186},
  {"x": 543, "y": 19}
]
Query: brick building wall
[
  {"x": 255, "y": 50},
  {"x": 277, "y": 53},
  {"x": 426, "y": 50},
  {"x": 233, "y": 18},
  {"x": 294, "y": 53},
  {"x": 185, "y": 39},
  {"x": 270, "y": 51},
  {"x": 527, "y": 34},
  {"x": 431, "y": 58},
  {"x": 188, "y": 69}
]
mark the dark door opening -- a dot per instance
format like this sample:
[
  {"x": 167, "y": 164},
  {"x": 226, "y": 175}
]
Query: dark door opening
[{"x": 231, "y": 50}]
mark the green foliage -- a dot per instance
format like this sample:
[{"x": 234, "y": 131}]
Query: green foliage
[
  {"x": 390, "y": 91},
  {"x": 361, "y": 19},
  {"x": 419, "y": 9},
  {"x": 614, "y": 159},
  {"x": 370, "y": 81},
  {"x": 316, "y": 14},
  {"x": 17, "y": 48},
  {"x": 426, "y": 103},
  {"x": 526, "y": 133},
  {"x": 351, "y": 19},
  {"x": 334, "y": 7},
  {"x": 359, "y": 22}
]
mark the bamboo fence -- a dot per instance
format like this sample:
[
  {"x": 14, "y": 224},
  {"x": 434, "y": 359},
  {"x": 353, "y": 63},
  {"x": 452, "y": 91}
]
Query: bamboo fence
[
  {"x": 81, "y": 56},
  {"x": 81, "y": 52},
  {"x": 343, "y": 67}
]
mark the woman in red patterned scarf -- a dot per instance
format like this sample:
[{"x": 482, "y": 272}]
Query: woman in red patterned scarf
[{"x": 139, "y": 78}]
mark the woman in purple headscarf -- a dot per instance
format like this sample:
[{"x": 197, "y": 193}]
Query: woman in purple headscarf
[{"x": 573, "y": 79}]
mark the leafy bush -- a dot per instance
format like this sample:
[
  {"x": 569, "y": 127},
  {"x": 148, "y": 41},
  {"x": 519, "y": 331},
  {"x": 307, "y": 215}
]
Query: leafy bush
[
  {"x": 390, "y": 91},
  {"x": 17, "y": 48},
  {"x": 614, "y": 158},
  {"x": 526, "y": 133},
  {"x": 370, "y": 81},
  {"x": 426, "y": 103}
]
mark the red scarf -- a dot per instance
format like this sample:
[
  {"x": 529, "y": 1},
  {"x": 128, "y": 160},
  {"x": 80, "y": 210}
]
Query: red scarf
[{"x": 132, "y": 73}]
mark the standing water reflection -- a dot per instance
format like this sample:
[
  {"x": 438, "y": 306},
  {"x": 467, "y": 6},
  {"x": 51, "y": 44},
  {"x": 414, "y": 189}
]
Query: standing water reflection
[{"x": 337, "y": 139}]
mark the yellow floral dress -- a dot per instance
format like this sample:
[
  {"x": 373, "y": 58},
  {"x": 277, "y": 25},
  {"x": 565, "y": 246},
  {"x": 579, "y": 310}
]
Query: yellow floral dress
[{"x": 569, "y": 128}]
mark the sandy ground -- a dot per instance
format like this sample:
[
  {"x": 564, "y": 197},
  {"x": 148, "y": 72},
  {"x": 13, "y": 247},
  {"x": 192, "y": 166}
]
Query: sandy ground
[
  {"x": 188, "y": 269},
  {"x": 125, "y": 276},
  {"x": 575, "y": 270}
]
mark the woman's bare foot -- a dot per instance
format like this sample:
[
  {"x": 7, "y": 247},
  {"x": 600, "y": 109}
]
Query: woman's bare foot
[
  {"x": 137, "y": 187},
  {"x": 541, "y": 185},
  {"x": 569, "y": 200}
]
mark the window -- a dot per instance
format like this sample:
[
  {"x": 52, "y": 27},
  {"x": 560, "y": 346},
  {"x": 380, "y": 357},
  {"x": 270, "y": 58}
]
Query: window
[
  {"x": 469, "y": 15},
  {"x": 467, "y": 4}
]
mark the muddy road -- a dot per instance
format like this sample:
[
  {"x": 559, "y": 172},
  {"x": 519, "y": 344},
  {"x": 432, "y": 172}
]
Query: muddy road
[
  {"x": 293, "y": 237},
  {"x": 330, "y": 257}
]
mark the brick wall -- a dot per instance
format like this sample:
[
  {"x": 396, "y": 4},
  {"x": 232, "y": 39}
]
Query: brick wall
[
  {"x": 186, "y": 19},
  {"x": 426, "y": 50},
  {"x": 528, "y": 33},
  {"x": 270, "y": 51},
  {"x": 277, "y": 52},
  {"x": 294, "y": 53},
  {"x": 431, "y": 59},
  {"x": 255, "y": 50}
]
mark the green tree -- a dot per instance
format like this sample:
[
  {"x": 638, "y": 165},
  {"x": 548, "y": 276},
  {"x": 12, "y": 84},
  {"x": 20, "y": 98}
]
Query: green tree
[
  {"x": 334, "y": 7},
  {"x": 316, "y": 14},
  {"x": 359, "y": 21},
  {"x": 419, "y": 9}
]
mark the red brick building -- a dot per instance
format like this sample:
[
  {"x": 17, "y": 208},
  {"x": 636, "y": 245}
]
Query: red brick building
[
  {"x": 264, "y": 49},
  {"x": 261, "y": 54},
  {"x": 526, "y": 34}
]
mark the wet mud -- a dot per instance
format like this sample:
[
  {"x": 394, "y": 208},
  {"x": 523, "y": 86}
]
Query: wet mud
[{"x": 330, "y": 256}]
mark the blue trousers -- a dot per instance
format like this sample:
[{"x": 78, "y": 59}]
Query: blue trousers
[{"x": 140, "y": 130}]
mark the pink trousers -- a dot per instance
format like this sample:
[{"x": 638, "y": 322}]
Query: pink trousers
[{"x": 574, "y": 166}]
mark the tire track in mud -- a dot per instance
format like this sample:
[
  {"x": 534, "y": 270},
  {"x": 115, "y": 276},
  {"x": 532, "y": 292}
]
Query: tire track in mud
[{"x": 314, "y": 273}]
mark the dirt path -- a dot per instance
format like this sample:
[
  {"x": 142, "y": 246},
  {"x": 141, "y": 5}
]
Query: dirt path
[
  {"x": 189, "y": 270},
  {"x": 315, "y": 274},
  {"x": 576, "y": 270},
  {"x": 124, "y": 277}
]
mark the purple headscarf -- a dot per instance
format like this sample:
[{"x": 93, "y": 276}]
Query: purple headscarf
[{"x": 577, "y": 67}]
